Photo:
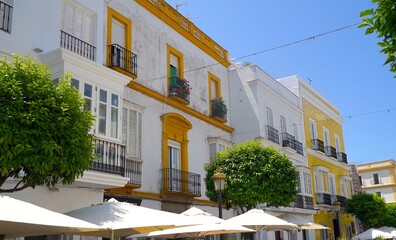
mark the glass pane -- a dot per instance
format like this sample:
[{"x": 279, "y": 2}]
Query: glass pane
[
  {"x": 74, "y": 82},
  {"x": 88, "y": 90},
  {"x": 124, "y": 126},
  {"x": 103, "y": 96},
  {"x": 102, "y": 119},
  {"x": 114, "y": 122},
  {"x": 88, "y": 104},
  {"x": 114, "y": 100}
]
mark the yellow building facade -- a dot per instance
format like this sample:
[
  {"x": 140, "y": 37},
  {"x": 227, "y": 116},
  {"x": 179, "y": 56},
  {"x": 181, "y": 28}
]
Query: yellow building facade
[{"x": 327, "y": 161}]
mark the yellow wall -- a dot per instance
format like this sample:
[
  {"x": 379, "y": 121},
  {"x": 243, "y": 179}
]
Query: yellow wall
[{"x": 326, "y": 218}]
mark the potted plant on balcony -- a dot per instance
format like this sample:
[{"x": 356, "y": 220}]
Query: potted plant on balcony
[{"x": 219, "y": 109}]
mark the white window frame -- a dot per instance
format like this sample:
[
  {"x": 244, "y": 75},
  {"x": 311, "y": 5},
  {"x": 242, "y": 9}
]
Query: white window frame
[
  {"x": 283, "y": 126},
  {"x": 85, "y": 29},
  {"x": 326, "y": 137},
  {"x": 312, "y": 129},
  {"x": 216, "y": 145},
  {"x": 307, "y": 182},
  {"x": 132, "y": 130},
  {"x": 7, "y": 15},
  {"x": 270, "y": 117}
]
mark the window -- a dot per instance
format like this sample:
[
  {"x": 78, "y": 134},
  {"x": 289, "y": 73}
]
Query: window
[
  {"x": 132, "y": 132},
  {"x": 214, "y": 87},
  {"x": 270, "y": 118},
  {"x": 214, "y": 148},
  {"x": 307, "y": 183},
  {"x": 108, "y": 110},
  {"x": 295, "y": 131},
  {"x": 332, "y": 184},
  {"x": 312, "y": 129},
  {"x": 114, "y": 116},
  {"x": 78, "y": 21},
  {"x": 88, "y": 97},
  {"x": 337, "y": 143},
  {"x": 175, "y": 68},
  {"x": 283, "y": 124},
  {"x": 376, "y": 178},
  {"x": 102, "y": 112},
  {"x": 326, "y": 137},
  {"x": 6, "y": 15}
]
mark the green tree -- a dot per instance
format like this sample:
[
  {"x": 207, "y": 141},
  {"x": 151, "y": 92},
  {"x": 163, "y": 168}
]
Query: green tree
[
  {"x": 44, "y": 133},
  {"x": 254, "y": 174},
  {"x": 382, "y": 21},
  {"x": 369, "y": 208},
  {"x": 389, "y": 218}
]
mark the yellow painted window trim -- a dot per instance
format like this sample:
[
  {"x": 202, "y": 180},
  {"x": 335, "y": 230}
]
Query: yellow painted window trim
[
  {"x": 113, "y": 14},
  {"x": 216, "y": 80},
  {"x": 173, "y": 51}
]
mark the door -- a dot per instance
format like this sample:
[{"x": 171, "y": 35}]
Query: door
[
  {"x": 174, "y": 163},
  {"x": 118, "y": 37}
]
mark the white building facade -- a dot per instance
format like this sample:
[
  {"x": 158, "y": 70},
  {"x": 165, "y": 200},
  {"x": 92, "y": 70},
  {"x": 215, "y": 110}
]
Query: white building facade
[
  {"x": 149, "y": 76},
  {"x": 262, "y": 108}
]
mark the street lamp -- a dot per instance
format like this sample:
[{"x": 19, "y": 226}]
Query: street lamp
[
  {"x": 337, "y": 209},
  {"x": 219, "y": 179}
]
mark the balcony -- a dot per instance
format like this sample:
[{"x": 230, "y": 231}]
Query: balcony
[
  {"x": 304, "y": 202},
  {"x": 317, "y": 145},
  {"x": 122, "y": 60},
  {"x": 288, "y": 140},
  {"x": 77, "y": 46},
  {"x": 342, "y": 200},
  {"x": 111, "y": 159},
  {"x": 179, "y": 90},
  {"x": 5, "y": 16},
  {"x": 219, "y": 110},
  {"x": 299, "y": 147},
  {"x": 174, "y": 180},
  {"x": 324, "y": 198},
  {"x": 331, "y": 152},
  {"x": 272, "y": 134},
  {"x": 342, "y": 157}
]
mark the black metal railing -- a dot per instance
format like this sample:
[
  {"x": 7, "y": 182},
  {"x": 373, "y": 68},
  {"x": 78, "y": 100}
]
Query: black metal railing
[
  {"x": 331, "y": 152},
  {"x": 299, "y": 147},
  {"x": 133, "y": 171},
  {"x": 122, "y": 58},
  {"x": 179, "y": 88},
  {"x": 111, "y": 157},
  {"x": 317, "y": 144},
  {"x": 272, "y": 134},
  {"x": 77, "y": 46},
  {"x": 324, "y": 198},
  {"x": 288, "y": 140},
  {"x": 219, "y": 109},
  {"x": 5, "y": 16},
  {"x": 175, "y": 180},
  {"x": 342, "y": 200},
  {"x": 301, "y": 201},
  {"x": 342, "y": 157}
]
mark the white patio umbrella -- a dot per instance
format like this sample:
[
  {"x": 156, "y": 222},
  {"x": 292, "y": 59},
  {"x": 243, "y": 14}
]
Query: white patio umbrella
[
  {"x": 124, "y": 219},
  {"x": 301, "y": 222},
  {"x": 19, "y": 219},
  {"x": 372, "y": 233},
  {"x": 196, "y": 231},
  {"x": 390, "y": 230},
  {"x": 257, "y": 219},
  {"x": 196, "y": 215}
]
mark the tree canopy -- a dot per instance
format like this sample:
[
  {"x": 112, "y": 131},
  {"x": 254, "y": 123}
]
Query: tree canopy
[
  {"x": 45, "y": 133},
  {"x": 254, "y": 175},
  {"x": 382, "y": 21},
  {"x": 370, "y": 209}
]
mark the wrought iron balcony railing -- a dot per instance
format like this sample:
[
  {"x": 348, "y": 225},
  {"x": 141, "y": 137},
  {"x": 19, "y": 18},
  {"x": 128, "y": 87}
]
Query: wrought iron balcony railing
[
  {"x": 342, "y": 157},
  {"x": 219, "y": 109},
  {"x": 299, "y": 147},
  {"x": 179, "y": 88},
  {"x": 288, "y": 140},
  {"x": 324, "y": 198},
  {"x": 317, "y": 145},
  {"x": 111, "y": 159},
  {"x": 122, "y": 58},
  {"x": 301, "y": 201},
  {"x": 331, "y": 152},
  {"x": 5, "y": 16},
  {"x": 133, "y": 171},
  {"x": 175, "y": 180},
  {"x": 77, "y": 46},
  {"x": 342, "y": 200},
  {"x": 272, "y": 134}
]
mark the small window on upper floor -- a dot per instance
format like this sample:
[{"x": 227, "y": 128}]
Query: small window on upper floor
[
  {"x": 6, "y": 8},
  {"x": 270, "y": 118},
  {"x": 179, "y": 88},
  {"x": 376, "y": 178},
  {"x": 217, "y": 145},
  {"x": 283, "y": 128}
]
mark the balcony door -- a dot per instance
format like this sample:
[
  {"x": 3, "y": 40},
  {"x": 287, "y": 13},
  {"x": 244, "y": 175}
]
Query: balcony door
[
  {"x": 174, "y": 163},
  {"x": 118, "y": 37}
]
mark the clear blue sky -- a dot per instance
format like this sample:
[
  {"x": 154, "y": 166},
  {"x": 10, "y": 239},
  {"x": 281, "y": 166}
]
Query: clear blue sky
[{"x": 345, "y": 66}]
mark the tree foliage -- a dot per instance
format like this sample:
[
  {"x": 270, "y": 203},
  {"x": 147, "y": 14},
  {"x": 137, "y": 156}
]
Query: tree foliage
[
  {"x": 389, "y": 218},
  {"x": 370, "y": 209},
  {"x": 382, "y": 21},
  {"x": 254, "y": 174},
  {"x": 44, "y": 133}
]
